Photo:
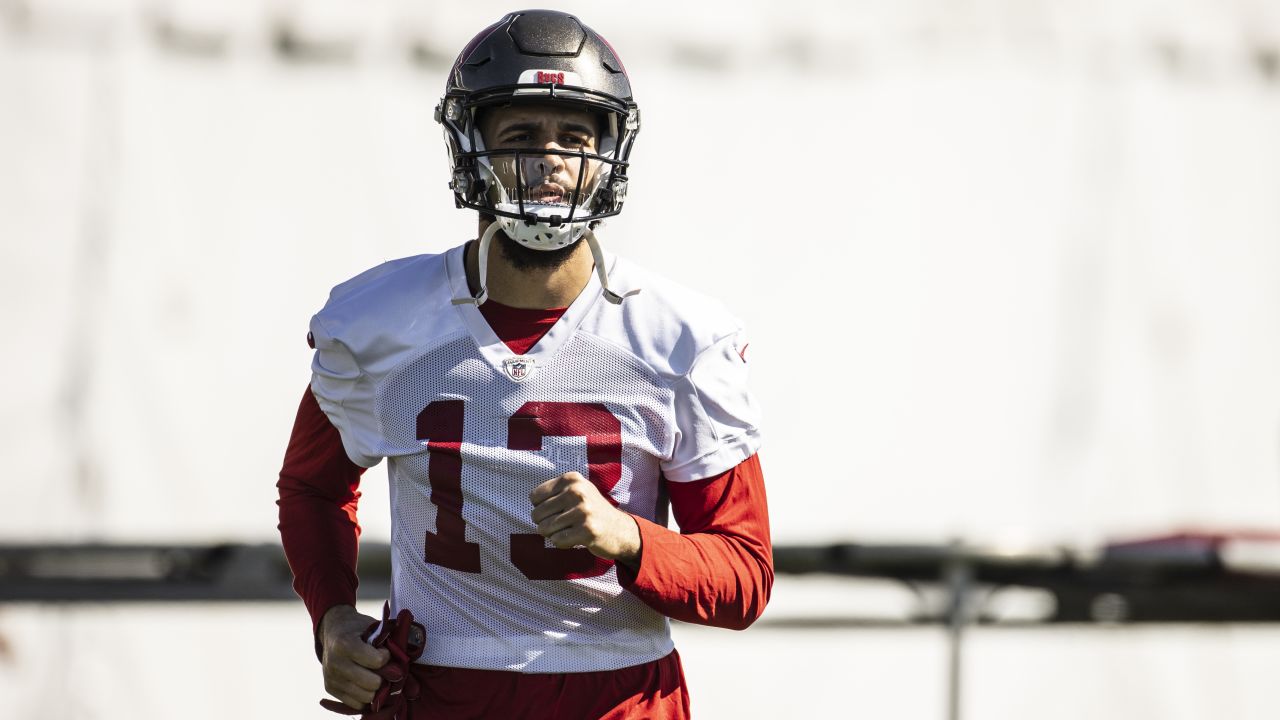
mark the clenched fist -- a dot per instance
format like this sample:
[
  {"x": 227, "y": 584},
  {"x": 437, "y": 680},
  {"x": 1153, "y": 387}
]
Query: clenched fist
[{"x": 570, "y": 512}]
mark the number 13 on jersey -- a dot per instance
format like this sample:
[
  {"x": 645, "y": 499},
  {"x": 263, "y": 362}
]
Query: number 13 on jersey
[{"x": 440, "y": 426}]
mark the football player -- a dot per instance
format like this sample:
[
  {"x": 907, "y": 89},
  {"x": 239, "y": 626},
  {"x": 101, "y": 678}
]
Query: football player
[{"x": 540, "y": 404}]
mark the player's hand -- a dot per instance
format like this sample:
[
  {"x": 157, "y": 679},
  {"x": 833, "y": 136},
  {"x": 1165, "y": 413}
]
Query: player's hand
[
  {"x": 349, "y": 662},
  {"x": 570, "y": 512}
]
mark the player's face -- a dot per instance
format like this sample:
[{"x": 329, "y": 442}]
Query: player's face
[{"x": 545, "y": 176}]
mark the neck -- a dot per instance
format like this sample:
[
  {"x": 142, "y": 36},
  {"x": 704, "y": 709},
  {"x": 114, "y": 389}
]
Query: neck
[{"x": 530, "y": 287}]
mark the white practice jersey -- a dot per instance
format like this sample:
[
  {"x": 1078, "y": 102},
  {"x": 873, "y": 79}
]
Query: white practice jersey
[{"x": 625, "y": 394}]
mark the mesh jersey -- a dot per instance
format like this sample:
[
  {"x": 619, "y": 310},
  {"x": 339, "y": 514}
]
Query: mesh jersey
[{"x": 623, "y": 394}]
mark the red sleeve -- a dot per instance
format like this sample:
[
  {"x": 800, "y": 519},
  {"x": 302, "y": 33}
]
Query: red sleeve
[
  {"x": 317, "y": 502},
  {"x": 718, "y": 570}
]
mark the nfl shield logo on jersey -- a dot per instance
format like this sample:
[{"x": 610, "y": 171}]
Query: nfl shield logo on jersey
[{"x": 518, "y": 368}]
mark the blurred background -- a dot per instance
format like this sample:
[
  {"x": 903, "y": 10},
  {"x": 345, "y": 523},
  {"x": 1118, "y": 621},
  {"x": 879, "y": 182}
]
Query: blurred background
[{"x": 1011, "y": 270}]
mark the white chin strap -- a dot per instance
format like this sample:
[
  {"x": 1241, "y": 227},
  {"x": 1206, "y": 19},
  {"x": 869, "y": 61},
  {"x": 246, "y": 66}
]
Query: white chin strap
[
  {"x": 483, "y": 293},
  {"x": 603, "y": 272},
  {"x": 596, "y": 253}
]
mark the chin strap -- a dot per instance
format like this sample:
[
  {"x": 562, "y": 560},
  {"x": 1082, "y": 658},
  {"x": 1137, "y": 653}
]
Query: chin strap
[
  {"x": 603, "y": 271},
  {"x": 483, "y": 293},
  {"x": 596, "y": 253}
]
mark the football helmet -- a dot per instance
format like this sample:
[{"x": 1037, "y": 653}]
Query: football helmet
[{"x": 548, "y": 58}]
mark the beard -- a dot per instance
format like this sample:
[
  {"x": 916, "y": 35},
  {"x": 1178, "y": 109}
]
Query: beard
[{"x": 524, "y": 258}]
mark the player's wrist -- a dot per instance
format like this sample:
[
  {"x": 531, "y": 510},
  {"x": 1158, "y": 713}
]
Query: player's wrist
[
  {"x": 335, "y": 617},
  {"x": 625, "y": 546}
]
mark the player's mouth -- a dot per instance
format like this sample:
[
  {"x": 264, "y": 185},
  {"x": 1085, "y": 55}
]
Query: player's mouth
[{"x": 548, "y": 193}]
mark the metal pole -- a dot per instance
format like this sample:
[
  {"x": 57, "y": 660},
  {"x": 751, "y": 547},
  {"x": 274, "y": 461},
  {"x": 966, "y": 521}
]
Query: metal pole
[{"x": 958, "y": 576}]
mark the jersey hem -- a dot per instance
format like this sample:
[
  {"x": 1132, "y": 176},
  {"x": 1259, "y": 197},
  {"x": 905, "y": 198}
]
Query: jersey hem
[{"x": 567, "y": 664}]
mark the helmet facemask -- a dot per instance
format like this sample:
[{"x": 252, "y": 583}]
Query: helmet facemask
[{"x": 544, "y": 197}]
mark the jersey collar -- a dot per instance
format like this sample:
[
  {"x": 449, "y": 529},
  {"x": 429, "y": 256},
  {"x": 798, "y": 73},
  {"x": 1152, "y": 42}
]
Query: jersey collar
[{"x": 504, "y": 362}]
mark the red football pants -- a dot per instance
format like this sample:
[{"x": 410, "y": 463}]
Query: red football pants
[{"x": 652, "y": 691}]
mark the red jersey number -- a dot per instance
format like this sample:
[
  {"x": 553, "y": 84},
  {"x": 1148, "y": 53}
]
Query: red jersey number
[{"x": 440, "y": 424}]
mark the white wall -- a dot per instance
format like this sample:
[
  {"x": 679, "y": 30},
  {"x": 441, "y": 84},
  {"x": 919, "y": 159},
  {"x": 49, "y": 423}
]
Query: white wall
[{"x": 1012, "y": 268}]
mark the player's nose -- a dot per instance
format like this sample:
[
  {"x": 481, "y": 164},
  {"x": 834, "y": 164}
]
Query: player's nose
[{"x": 551, "y": 161}]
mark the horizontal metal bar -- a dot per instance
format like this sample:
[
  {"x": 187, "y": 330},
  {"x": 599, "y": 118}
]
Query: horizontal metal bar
[{"x": 1161, "y": 587}]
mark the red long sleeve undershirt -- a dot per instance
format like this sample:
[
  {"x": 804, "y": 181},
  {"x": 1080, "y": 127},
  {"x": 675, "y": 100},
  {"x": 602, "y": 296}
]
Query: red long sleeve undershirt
[
  {"x": 318, "y": 525},
  {"x": 718, "y": 570}
]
